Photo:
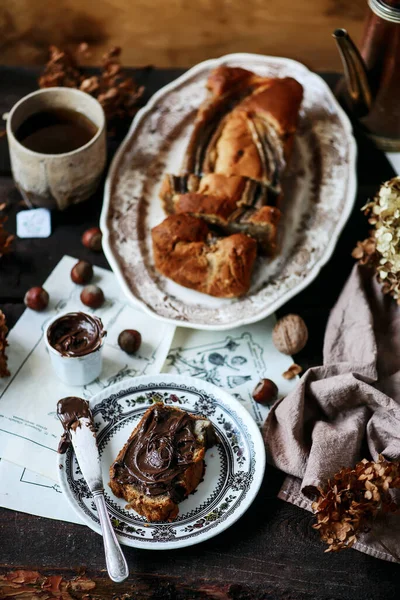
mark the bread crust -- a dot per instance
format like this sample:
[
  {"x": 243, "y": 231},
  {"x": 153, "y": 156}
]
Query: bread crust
[
  {"x": 184, "y": 252},
  {"x": 231, "y": 179},
  {"x": 231, "y": 203},
  {"x": 161, "y": 507}
]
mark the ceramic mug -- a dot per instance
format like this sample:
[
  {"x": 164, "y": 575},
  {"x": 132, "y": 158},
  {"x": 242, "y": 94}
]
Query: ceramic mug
[{"x": 57, "y": 180}]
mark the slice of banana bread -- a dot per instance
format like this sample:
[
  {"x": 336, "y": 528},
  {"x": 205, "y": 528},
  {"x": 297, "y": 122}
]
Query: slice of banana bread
[
  {"x": 233, "y": 204},
  {"x": 186, "y": 251},
  {"x": 162, "y": 462}
]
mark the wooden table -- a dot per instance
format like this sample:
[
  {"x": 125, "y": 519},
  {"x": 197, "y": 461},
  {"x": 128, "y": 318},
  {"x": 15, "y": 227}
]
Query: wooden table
[{"x": 272, "y": 552}]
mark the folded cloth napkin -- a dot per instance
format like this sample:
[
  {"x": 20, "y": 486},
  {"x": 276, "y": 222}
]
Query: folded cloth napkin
[{"x": 347, "y": 409}]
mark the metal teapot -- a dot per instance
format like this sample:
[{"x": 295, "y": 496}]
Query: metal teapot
[{"x": 372, "y": 76}]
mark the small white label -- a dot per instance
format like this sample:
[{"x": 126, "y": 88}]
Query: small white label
[{"x": 34, "y": 223}]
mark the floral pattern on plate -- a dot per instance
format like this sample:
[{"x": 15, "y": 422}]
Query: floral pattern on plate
[{"x": 234, "y": 467}]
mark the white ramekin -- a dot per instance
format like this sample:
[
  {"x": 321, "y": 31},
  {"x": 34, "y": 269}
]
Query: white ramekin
[{"x": 75, "y": 370}]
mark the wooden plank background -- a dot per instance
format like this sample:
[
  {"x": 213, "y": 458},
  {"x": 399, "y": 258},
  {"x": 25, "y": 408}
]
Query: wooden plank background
[{"x": 170, "y": 33}]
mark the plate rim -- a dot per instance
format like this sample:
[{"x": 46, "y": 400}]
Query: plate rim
[
  {"x": 232, "y": 403},
  {"x": 323, "y": 260}
]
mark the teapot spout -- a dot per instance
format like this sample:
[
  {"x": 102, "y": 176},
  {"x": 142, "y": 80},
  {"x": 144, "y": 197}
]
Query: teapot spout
[{"x": 355, "y": 73}]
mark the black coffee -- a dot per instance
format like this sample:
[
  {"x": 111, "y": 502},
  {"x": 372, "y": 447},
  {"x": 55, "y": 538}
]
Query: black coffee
[{"x": 56, "y": 131}]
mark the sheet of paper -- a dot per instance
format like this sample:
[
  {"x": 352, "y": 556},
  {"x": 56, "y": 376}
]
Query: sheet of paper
[
  {"x": 29, "y": 428},
  {"x": 29, "y": 492},
  {"x": 235, "y": 360}
]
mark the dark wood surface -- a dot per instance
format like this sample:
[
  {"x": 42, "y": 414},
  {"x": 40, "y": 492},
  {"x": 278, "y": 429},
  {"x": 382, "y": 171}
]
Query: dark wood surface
[{"x": 272, "y": 552}]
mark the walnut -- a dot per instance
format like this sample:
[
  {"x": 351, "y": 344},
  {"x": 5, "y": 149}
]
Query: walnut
[
  {"x": 292, "y": 371},
  {"x": 290, "y": 334}
]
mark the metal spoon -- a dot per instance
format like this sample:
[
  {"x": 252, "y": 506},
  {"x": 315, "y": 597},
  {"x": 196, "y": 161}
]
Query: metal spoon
[{"x": 84, "y": 442}]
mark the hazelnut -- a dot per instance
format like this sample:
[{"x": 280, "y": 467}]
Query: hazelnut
[
  {"x": 82, "y": 272},
  {"x": 290, "y": 334},
  {"x": 129, "y": 340},
  {"x": 265, "y": 392},
  {"x": 92, "y": 239},
  {"x": 92, "y": 296},
  {"x": 36, "y": 298}
]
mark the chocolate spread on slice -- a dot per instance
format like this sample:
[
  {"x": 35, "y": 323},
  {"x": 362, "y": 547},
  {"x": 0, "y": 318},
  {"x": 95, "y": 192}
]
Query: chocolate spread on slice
[
  {"x": 76, "y": 334},
  {"x": 160, "y": 451},
  {"x": 69, "y": 411}
]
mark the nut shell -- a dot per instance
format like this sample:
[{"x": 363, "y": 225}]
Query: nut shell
[
  {"x": 92, "y": 239},
  {"x": 36, "y": 299},
  {"x": 265, "y": 392},
  {"x": 92, "y": 296},
  {"x": 129, "y": 340},
  {"x": 82, "y": 272},
  {"x": 290, "y": 334}
]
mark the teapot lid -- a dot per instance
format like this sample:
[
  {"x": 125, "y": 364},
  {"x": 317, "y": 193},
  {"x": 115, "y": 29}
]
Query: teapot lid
[{"x": 386, "y": 9}]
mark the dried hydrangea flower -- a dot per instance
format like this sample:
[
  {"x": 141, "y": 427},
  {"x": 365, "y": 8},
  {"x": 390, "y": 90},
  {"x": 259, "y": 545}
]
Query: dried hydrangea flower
[
  {"x": 365, "y": 252},
  {"x": 382, "y": 249},
  {"x": 352, "y": 500}
]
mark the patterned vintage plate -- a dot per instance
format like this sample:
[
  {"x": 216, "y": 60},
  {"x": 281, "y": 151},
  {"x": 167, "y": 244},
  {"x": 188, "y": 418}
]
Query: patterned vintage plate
[
  {"x": 234, "y": 472},
  {"x": 320, "y": 191}
]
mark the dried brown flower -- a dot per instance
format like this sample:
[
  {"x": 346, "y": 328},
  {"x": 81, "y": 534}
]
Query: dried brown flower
[
  {"x": 4, "y": 372},
  {"x": 292, "y": 371},
  {"x": 381, "y": 250},
  {"x": 116, "y": 91},
  {"x": 352, "y": 500},
  {"x": 6, "y": 238},
  {"x": 61, "y": 70},
  {"x": 365, "y": 252}
]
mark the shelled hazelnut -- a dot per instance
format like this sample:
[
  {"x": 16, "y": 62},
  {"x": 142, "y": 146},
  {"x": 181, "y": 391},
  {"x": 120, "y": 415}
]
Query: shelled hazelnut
[
  {"x": 265, "y": 392},
  {"x": 92, "y": 296},
  {"x": 290, "y": 334},
  {"x": 92, "y": 239},
  {"x": 82, "y": 272},
  {"x": 129, "y": 340},
  {"x": 36, "y": 298}
]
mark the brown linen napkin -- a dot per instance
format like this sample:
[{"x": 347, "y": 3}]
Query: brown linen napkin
[{"x": 347, "y": 409}]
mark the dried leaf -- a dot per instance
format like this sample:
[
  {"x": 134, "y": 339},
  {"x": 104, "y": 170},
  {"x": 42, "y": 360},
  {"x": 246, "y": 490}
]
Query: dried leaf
[
  {"x": 31, "y": 585},
  {"x": 116, "y": 91},
  {"x": 352, "y": 500}
]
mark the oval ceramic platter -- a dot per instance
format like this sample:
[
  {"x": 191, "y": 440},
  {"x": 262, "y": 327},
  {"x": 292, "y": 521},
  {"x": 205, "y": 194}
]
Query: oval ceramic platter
[
  {"x": 234, "y": 467},
  {"x": 319, "y": 191}
]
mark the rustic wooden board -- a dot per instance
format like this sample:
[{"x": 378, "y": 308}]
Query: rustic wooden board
[
  {"x": 272, "y": 553},
  {"x": 178, "y": 32}
]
